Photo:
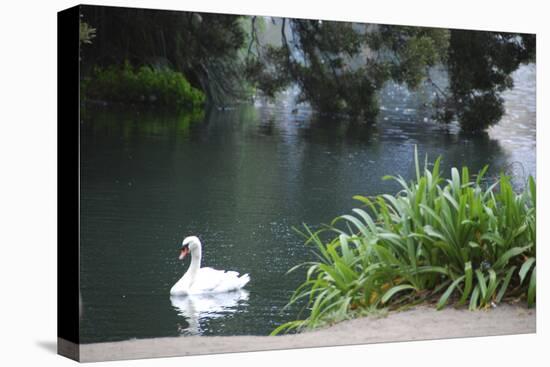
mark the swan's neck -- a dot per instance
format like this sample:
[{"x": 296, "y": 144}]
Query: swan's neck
[{"x": 195, "y": 264}]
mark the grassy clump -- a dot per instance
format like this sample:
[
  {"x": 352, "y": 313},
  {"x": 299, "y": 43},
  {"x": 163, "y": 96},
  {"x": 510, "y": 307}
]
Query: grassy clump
[
  {"x": 142, "y": 85},
  {"x": 446, "y": 241}
]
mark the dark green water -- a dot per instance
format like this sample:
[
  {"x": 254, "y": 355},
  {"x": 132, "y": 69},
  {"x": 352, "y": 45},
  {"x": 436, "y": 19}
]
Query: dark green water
[{"x": 240, "y": 180}]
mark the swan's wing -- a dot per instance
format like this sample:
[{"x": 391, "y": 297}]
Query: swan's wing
[
  {"x": 207, "y": 280},
  {"x": 212, "y": 280},
  {"x": 213, "y": 304},
  {"x": 232, "y": 281}
]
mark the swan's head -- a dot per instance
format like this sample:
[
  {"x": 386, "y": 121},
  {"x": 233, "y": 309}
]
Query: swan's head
[{"x": 188, "y": 245}]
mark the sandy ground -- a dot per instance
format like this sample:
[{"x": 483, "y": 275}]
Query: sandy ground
[{"x": 420, "y": 323}]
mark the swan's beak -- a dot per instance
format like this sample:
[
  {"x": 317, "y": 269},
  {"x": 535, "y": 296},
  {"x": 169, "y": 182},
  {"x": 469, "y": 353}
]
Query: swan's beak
[{"x": 184, "y": 252}]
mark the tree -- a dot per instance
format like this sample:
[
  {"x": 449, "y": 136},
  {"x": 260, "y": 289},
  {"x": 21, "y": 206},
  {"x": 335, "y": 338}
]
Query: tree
[
  {"x": 204, "y": 47},
  {"x": 480, "y": 65},
  {"x": 340, "y": 66}
]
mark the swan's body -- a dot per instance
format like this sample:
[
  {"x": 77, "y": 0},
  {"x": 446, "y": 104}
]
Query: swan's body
[{"x": 199, "y": 280}]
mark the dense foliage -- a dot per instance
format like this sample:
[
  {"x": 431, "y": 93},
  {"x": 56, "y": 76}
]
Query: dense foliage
[
  {"x": 339, "y": 66},
  {"x": 451, "y": 241},
  {"x": 203, "y": 47},
  {"x": 143, "y": 85},
  {"x": 480, "y": 65}
]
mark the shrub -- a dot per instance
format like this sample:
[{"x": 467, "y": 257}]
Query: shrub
[
  {"x": 450, "y": 241},
  {"x": 143, "y": 85}
]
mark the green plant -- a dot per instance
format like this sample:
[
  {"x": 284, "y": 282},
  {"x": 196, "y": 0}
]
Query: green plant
[
  {"x": 143, "y": 85},
  {"x": 449, "y": 240}
]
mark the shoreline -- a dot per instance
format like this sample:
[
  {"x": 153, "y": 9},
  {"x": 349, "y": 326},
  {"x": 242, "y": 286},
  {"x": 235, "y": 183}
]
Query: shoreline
[{"x": 418, "y": 323}]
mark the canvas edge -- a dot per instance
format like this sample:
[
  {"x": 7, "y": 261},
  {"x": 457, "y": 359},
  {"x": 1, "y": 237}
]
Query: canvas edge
[
  {"x": 68, "y": 349},
  {"x": 68, "y": 182}
]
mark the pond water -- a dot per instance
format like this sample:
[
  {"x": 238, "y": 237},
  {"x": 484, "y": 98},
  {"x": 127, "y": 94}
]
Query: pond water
[{"x": 240, "y": 179}]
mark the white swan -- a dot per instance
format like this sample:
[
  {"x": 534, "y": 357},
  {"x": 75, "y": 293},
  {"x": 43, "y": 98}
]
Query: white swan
[{"x": 199, "y": 280}]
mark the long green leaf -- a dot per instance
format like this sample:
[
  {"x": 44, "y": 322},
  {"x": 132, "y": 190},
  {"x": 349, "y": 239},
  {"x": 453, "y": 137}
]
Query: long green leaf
[
  {"x": 396, "y": 289},
  {"x": 505, "y": 283},
  {"x": 474, "y": 298},
  {"x": 531, "y": 292},
  {"x": 468, "y": 272},
  {"x": 515, "y": 251},
  {"x": 445, "y": 297},
  {"x": 525, "y": 268},
  {"x": 481, "y": 283},
  {"x": 491, "y": 287}
]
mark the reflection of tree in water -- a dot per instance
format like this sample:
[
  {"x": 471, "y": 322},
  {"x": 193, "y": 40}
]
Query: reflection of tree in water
[
  {"x": 131, "y": 123},
  {"x": 275, "y": 121},
  {"x": 516, "y": 171}
]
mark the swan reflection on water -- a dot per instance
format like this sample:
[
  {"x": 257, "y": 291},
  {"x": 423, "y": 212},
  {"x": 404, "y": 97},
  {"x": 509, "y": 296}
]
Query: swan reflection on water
[{"x": 199, "y": 307}]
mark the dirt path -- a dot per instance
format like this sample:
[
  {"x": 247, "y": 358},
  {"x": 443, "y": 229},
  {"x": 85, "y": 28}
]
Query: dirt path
[{"x": 420, "y": 323}]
